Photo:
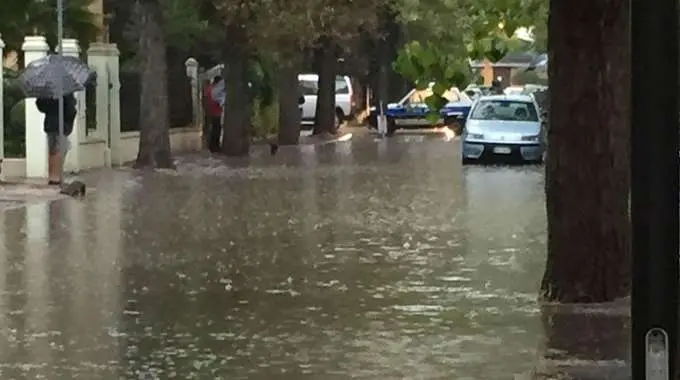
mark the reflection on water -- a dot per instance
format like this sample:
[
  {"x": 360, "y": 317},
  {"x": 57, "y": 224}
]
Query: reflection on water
[{"x": 363, "y": 259}]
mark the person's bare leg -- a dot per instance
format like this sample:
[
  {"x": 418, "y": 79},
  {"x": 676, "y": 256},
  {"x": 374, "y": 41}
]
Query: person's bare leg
[{"x": 53, "y": 162}]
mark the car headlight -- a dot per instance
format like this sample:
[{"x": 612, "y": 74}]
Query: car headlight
[
  {"x": 474, "y": 136},
  {"x": 531, "y": 138}
]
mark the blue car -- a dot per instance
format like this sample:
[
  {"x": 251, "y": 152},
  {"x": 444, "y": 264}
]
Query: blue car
[{"x": 411, "y": 111}]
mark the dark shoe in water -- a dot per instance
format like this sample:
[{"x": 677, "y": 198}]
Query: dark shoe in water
[
  {"x": 74, "y": 189},
  {"x": 53, "y": 183},
  {"x": 273, "y": 148}
]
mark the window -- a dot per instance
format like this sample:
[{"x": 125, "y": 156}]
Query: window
[
  {"x": 309, "y": 87},
  {"x": 507, "y": 110},
  {"x": 341, "y": 86}
]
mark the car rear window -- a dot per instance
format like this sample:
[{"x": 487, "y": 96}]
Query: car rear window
[
  {"x": 507, "y": 110},
  {"x": 341, "y": 86},
  {"x": 311, "y": 87}
]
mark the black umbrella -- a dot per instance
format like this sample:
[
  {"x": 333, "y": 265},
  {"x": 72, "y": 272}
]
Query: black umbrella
[{"x": 54, "y": 76}]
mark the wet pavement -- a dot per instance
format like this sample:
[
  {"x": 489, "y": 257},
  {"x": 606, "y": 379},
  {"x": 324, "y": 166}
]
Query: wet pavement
[{"x": 364, "y": 259}]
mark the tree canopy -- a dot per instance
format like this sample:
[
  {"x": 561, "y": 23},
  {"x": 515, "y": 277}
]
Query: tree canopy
[
  {"x": 19, "y": 18},
  {"x": 446, "y": 34}
]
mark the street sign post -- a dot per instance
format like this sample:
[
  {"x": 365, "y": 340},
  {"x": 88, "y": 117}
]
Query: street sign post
[{"x": 654, "y": 187}]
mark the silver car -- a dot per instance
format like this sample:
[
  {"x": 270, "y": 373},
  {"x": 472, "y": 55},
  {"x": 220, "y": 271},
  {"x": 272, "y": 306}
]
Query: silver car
[{"x": 504, "y": 127}]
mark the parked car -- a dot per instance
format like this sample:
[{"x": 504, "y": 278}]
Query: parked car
[
  {"x": 504, "y": 127},
  {"x": 513, "y": 90},
  {"x": 529, "y": 89},
  {"x": 411, "y": 111},
  {"x": 309, "y": 84},
  {"x": 475, "y": 91}
]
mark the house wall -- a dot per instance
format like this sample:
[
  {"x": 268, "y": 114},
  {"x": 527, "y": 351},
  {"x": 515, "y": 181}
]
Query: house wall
[{"x": 505, "y": 73}]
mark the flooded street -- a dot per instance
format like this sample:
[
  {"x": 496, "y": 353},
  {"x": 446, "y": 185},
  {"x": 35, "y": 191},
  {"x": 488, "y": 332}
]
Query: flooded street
[{"x": 363, "y": 259}]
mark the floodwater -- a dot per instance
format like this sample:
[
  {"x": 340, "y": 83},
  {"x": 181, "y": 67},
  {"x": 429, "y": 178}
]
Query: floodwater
[{"x": 364, "y": 259}]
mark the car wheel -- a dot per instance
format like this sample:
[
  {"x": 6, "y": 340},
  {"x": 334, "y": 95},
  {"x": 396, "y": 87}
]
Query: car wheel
[{"x": 339, "y": 117}]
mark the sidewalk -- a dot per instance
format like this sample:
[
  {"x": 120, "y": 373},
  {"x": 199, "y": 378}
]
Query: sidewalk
[{"x": 23, "y": 190}]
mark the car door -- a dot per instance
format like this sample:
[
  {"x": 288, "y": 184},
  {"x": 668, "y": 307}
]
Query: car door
[{"x": 310, "y": 89}]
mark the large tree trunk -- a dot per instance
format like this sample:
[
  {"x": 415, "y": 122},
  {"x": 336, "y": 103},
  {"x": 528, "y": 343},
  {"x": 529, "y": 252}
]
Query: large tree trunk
[
  {"x": 599, "y": 349},
  {"x": 154, "y": 136},
  {"x": 325, "y": 104},
  {"x": 236, "y": 141},
  {"x": 588, "y": 173},
  {"x": 289, "y": 111}
]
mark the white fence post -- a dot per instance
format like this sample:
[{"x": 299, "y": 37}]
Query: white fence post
[
  {"x": 72, "y": 48},
  {"x": 103, "y": 58},
  {"x": 192, "y": 73},
  {"x": 35, "y": 47}
]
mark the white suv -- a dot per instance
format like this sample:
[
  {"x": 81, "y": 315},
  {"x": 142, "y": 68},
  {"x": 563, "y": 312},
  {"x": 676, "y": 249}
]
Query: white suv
[{"x": 309, "y": 83}]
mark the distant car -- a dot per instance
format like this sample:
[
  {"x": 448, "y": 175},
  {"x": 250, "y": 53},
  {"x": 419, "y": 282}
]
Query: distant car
[
  {"x": 309, "y": 84},
  {"x": 504, "y": 127},
  {"x": 514, "y": 90},
  {"x": 529, "y": 89},
  {"x": 474, "y": 93},
  {"x": 411, "y": 111}
]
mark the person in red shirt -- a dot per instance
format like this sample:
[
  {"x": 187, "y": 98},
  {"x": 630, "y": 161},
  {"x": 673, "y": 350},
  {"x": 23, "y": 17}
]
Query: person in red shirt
[{"x": 214, "y": 113}]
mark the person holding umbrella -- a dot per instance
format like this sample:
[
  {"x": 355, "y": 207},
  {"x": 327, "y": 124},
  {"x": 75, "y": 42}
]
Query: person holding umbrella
[
  {"x": 57, "y": 143},
  {"x": 53, "y": 80}
]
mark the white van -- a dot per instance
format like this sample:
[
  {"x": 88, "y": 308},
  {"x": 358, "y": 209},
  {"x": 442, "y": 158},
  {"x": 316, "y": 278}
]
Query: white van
[{"x": 309, "y": 83}]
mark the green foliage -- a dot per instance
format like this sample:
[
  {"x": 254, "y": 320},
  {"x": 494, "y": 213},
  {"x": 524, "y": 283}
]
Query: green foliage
[
  {"x": 265, "y": 118},
  {"x": 184, "y": 24},
  {"x": 446, "y": 34},
  {"x": 261, "y": 74},
  {"x": 426, "y": 63},
  {"x": 19, "y": 18},
  {"x": 13, "y": 112}
]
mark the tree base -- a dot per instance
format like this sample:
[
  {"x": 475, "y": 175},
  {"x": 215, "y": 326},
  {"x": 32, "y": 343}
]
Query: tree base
[
  {"x": 587, "y": 341},
  {"x": 154, "y": 161}
]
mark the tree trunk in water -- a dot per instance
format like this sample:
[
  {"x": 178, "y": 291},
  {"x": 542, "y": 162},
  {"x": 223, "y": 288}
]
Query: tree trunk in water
[
  {"x": 289, "y": 111},
  {"x": 235, "y": 141},
  {"x": 587, "y": 171},
  {"x": 599, "y": 349},
  {"x": 325, "y": 103},
  {"x": 154, "y": 135}
]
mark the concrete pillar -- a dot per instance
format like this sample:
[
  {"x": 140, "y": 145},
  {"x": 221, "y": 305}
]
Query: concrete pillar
[
  {"x": 72, "y": 164},
  {"x": 35, "y": 47},
  {"x": 2, "y": 106},
  {"x": 192, "y": 73},
  {"x": 103, "y": 58}
]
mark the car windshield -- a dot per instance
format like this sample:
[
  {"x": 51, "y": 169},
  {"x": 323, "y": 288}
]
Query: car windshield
[
  {"x": 508, "y": 110},
  {"x": 419, "y": 96}
]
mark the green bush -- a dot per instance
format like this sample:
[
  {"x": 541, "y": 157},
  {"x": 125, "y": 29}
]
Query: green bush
[
  {"x": 13, "y": 112},
  {"x": 265, "y": 118}
]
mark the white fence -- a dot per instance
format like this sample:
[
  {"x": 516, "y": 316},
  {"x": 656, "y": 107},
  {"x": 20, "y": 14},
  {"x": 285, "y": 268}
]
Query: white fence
[{"x": 103, "y": 144}]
